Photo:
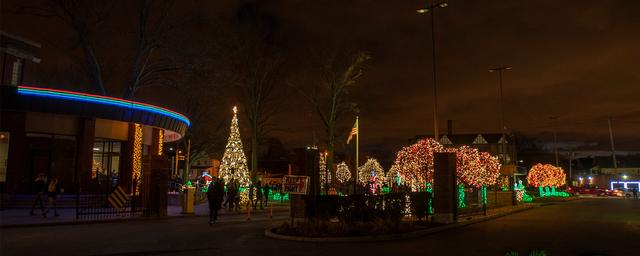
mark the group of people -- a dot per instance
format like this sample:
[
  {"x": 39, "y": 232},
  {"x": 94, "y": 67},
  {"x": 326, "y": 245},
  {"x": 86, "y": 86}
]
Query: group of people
[
  {"x": 261, "y": 195},
  {"x": 219, "y": 198},
  {"x": 232, "y": 196},
  {"x": 51, "y": 189}
]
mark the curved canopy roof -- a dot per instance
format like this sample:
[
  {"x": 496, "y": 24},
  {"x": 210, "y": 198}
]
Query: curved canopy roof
[{"x": 35, "y": 99}]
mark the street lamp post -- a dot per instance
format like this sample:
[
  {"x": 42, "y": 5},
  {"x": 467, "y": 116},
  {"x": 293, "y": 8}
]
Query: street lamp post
[
  {"x": 502, "y": 129},
  {"x": 502, "y": 126},
  {"x": 555, "y": 138},
  {"x": 613, "y": 148},
  {"x": 431, "y": 8}
]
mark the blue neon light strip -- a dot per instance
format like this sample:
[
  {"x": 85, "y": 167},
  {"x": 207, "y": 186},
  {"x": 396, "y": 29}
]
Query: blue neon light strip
[{"x": 75, "y": 96}]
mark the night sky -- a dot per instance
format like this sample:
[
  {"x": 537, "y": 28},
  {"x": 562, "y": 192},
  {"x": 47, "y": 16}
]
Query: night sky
[{"x": 577, "y": 60}]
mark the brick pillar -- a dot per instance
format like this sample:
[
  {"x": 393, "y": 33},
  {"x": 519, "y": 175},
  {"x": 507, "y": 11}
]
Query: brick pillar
[
  {"x": 156, "y": 142},
  {"x": 444, "y": 188},
  {"x": 19, "y": 178},
  {"x": 84, "y": 154},
  {"x": 155, "y": 185}
]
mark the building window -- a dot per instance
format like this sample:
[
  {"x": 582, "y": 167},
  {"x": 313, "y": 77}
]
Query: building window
[
  {"x": 15, "y": 72},
  {"x": 105, "y": 170}
]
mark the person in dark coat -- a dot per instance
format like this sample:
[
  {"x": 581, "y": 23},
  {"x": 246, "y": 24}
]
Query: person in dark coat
[
  {"x": 215, "y": 195},
  {"x": 265, "y": 193},
  {"x": 40, "y": 187},
  {"x": 251, "y": 189},
  {"x": 231, "y": 194},
  {"x": 258, "y": 195}
]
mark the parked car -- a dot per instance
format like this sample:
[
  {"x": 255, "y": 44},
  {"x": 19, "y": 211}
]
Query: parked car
[
  {"x": 587, "y": 191},
  {"x": 620, "y": 192}
]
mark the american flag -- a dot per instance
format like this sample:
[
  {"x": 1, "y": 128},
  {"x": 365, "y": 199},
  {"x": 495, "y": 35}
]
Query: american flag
[{"x": 354, "y": 131}]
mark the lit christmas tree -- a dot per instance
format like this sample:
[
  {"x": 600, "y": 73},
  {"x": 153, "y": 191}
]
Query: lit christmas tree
[{"x": 234, "y": 162}]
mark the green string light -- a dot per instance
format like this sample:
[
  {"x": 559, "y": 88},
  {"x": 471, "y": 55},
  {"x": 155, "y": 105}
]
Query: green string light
[
  {"x": 461, "y": 197},
  {"x": 484, "y": 195}
]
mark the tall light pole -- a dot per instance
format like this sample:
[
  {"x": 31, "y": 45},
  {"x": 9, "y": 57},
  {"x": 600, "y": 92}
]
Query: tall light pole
[
  {"x": 571, "y": 154},
  {"x": 613, "y": 149},
  {"x": 431, "y": 8},
  {"x": 555, "y": 137},
  {"x": 502, "y": 126}
]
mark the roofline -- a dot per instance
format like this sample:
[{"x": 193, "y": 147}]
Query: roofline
[{"x": 21, "y": 39}]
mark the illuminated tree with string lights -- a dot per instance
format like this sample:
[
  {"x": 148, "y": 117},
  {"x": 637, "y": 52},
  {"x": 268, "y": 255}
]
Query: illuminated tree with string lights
[
  {"x": 476, "y": 168},
  {"x": 234, "y": 161},
  {"x": 394, "y": 178},
  {"x": 415, "y": 162},
  {"x": 342, "y": 173},
  {"x": 545, "y": 176},
  {"x": 371, "y": 173},
  {"x": 325, "y": 176}
]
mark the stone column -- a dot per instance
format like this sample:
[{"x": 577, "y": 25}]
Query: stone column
[
  {"x": 84, "y": 155},
  {"x": 444, "y": 188},
  {"x": 19, "y": 178},
  {"x": 155, "y": 185}
]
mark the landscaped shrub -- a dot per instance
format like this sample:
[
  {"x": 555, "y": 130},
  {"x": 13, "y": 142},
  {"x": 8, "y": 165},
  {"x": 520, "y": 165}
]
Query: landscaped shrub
[
  {"x": 420, "y": 204},
  {"x": 357, "y": 208}
]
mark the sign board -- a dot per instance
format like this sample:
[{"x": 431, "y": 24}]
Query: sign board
[
  {"x": 118, "y": 198},
  {"x": 294, "y": 184}
]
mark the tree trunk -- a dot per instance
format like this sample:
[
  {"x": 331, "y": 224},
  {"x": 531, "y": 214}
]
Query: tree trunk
[
  {"x": 254, "y": 147},
  {"x": 94, "y": 69},
  {"x": 330, "y": 148}
]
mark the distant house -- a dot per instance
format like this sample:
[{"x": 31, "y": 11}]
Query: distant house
[
  {"x": 504, "y": 147},
  {"x": 497, "y": 144},
  {"x": 209, "y": 165},
  {"x": 603, "y": 174}
]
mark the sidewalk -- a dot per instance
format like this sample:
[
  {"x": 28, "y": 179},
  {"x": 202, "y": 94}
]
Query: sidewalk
[{"x": 21, "y": 217}]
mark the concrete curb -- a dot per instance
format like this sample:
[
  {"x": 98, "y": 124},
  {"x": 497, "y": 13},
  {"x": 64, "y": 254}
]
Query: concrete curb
[
  {"x": 191, "y": 215},
  {"x": 269, "y": 233}
]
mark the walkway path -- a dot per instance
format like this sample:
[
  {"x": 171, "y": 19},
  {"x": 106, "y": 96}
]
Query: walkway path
[{"x": 582, "y": 227}]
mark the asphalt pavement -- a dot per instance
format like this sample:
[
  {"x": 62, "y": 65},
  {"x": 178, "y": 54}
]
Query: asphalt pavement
[{"x": 582, "y": 227}]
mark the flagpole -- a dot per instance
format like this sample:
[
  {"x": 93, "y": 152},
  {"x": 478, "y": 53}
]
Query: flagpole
[{"x": 355, "y": 172}]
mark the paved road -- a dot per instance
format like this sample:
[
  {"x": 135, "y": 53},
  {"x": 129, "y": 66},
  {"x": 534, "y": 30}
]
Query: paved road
[{"x": 584, "y": 227}]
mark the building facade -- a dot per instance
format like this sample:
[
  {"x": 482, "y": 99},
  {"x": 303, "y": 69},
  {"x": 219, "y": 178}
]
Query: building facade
[{"x": 90, "y": 143}]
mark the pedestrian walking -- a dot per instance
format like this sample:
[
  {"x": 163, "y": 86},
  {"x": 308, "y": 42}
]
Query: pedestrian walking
[
  {"x": 635, "y": 193},
  {"x": 53, "y": 190},
  {"x": 259, "y": 195},
  {"x": 39, "y": 186},
  {"x": 231, "y": 194},
  {"x": 265, "y": 193},
  {"x": 226, "y": 195},
  {"x": 251, "y": 193},
  {"x": 215, "y": 195},
  {"x": 236, "y": 196}
]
